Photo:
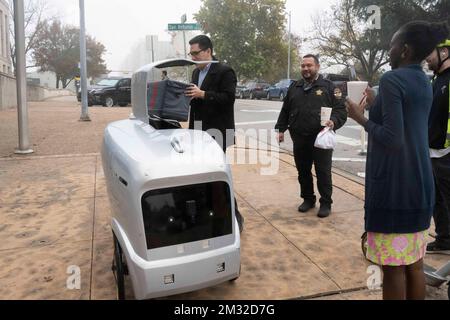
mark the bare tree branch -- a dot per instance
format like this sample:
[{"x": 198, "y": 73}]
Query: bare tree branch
[
  {"x": 34, "y": 15},
  {"x": 340, "y": 36}
]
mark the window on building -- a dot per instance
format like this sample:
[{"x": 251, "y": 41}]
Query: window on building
[
  {"x": 2, "y": 35},
  {"x": 6, "y": 36}
]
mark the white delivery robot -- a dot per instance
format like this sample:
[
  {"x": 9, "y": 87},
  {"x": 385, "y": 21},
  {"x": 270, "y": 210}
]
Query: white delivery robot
[{"x": 171, "y": 195}]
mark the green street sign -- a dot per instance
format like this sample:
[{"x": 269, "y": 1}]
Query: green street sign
[{"x": 184, "y": 26}]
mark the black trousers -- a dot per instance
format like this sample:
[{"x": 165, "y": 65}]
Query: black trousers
[
  {"x": 306, "y": 155},
  {"x": 441, "y": 170}
]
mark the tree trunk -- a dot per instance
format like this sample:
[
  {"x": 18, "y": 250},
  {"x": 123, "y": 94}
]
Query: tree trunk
[{"x": 57, "y": 82}]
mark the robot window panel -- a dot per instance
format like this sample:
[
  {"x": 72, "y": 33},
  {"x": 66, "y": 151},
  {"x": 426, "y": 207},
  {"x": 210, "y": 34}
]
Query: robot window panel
[{"x": 187, "y": 214}]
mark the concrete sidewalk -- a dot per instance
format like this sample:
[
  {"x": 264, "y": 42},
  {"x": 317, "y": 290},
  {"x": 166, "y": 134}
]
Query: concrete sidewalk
[{"x": 54, "y": 213}]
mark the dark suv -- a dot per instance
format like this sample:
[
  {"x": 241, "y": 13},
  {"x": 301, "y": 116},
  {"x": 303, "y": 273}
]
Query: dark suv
[
  {"x": 255, "y": 90},
  {"x": 109, "y": 92}
]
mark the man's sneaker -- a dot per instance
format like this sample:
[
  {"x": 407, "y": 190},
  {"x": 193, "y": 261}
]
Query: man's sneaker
[
  {"x": 306, "y": 206},
  {"x": 437, "y": 248},
  {"x": 324, "y": 211}
]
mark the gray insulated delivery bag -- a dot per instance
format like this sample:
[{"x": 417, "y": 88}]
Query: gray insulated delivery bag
[{"x": 167, "y": 100}]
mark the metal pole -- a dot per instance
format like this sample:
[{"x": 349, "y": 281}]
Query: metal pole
[
  {"x": 184, "y": 43},
  {"x": 183, "y": 21},
  {"x": 153, "y": 52},
  {"x": 289, "y": 50},
  {"x": 21, "y": 80},
  {"x": 83, "y": 66},
  {"x": 185, "y": 56}
]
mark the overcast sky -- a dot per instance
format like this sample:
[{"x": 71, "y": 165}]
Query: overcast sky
[{"x": 119, "y": 24}]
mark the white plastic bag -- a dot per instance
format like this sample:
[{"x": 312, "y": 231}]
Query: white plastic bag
[{"x": 326, "y": 139}]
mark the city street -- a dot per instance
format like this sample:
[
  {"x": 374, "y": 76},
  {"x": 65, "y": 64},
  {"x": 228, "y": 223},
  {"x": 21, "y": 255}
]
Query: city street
[{"x": 263, "y": 114}]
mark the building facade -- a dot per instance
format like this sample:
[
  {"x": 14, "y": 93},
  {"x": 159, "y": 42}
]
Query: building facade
[
  {"x": 153, "y": 49},
  {"x": 47, "y": 80},
  {"x": 5, "y": 55}
]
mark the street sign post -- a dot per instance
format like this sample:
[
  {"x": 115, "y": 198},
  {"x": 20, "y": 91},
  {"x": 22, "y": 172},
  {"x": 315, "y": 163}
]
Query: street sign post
[{"x": 183, "y": 26}]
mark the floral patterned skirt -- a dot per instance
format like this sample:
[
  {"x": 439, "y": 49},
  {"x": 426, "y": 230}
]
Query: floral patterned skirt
[{"x": 396, "y": 250}]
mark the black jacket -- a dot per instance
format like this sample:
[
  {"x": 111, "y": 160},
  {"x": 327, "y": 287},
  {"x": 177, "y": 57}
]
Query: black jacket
[
  {"x": 216, "y": 111},
  {"x": 301, "y": 110},
  {"x": 439, "y": 115}
]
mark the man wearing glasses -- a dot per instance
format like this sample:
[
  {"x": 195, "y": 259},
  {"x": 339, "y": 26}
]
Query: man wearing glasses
[{"x": 213, "y": 94}]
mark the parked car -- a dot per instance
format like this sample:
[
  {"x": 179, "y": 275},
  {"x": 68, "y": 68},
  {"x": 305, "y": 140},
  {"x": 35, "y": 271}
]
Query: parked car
[
  {"x": 254, "y": 90},
  {"x": 109, "y": 92},
  {"x": 239, "y": 89},
  {"x": 279, "y": 90}
]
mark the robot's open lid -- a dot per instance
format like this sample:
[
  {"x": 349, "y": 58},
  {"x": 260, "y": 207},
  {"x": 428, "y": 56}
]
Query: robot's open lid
[
  {"x": 170, "y": 63},
  {"x": 143, "y": 77}
]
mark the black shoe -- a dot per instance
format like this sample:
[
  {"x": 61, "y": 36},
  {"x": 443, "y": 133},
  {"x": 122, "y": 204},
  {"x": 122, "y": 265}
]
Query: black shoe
[
  {"x": 306, "y": 206},
  {"x": 438, "y": 248},
  {"x": 324, "y": 211}
]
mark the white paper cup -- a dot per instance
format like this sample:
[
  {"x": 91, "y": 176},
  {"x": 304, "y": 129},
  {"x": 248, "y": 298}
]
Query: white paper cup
[
  {"x": 325, "y": 115},
  {"x": 356, "y": 90}
]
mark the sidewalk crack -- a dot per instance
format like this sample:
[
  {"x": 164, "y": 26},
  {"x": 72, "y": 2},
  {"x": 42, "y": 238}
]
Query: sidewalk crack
[
  {"x": 93, "y": 229},
  {"x": 293, "y": 244},
  {"x": 335, "y": 186}
]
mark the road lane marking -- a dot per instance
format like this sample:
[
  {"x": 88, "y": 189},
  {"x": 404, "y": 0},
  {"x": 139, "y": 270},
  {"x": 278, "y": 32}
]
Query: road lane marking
[
  {"x": 348, "y": 141},
  {"x": 349, "y": 160},
  {"x": 354, "y": 127},
  {"x": 340, "y": 139},
  {"x": 261, "y": 111},
  {"x": 255, "y": 122}
]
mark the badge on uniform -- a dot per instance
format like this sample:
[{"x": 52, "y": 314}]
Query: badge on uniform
[
  {"x": 338, "y": 93},
  {"x": 319, "y": 93}
]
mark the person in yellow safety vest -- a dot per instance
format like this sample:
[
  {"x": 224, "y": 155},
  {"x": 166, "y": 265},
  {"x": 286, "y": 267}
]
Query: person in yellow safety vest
[{"x": 439, "y": 135}]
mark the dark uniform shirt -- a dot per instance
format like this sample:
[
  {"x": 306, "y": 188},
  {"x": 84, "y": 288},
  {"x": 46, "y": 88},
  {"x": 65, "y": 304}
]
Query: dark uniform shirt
[
  {"x": 303, "y": 104},
  {"x": 439, "y": 114}
]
